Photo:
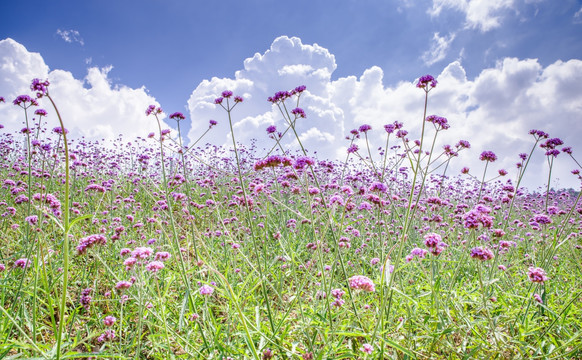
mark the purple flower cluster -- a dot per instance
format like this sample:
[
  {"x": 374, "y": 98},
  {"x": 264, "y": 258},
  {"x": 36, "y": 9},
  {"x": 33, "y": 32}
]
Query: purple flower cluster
[
  {"x": 272, "y": 161},
  {"x": 90, "y": 241},
  {"x": 537, "y": 275},
  {"x": 361, "y": 282},
  {"x": 478, "y": 216},
  {"x": 425, "y": 81},
  {"x": 439, "y": 122},
  {"x": 482, "y": 253},
  {"x": 488, "y": 156},
  {"x": 41, "y": 87},
  {"x": 281, "y": 96}
]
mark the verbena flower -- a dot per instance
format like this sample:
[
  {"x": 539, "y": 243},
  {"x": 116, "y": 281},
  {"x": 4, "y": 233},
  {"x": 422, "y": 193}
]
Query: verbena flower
[
  {"x": 537, "y": 275},
  {"x": 361, "y": 282}
]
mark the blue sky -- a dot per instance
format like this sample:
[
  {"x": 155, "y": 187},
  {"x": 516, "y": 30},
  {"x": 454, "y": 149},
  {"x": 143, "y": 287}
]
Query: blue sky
[{"x": 168, "y": 48}]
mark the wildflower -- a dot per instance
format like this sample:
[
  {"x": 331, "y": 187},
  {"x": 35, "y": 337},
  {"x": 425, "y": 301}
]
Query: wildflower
[
  {"x": 432, "y": 240},
  {"x": 361, "y": 282},
  {"x": 425, "y": 81},
  {"x": 41, "y": 87},
  {"x": 152, "y": 109},
  {"x": 439, "y": 122},
  {"x": 268, "y": 354},
  {"x": 108, "y": 335},
  {"x": 538, "y": 298},
  {"x": 353, "y": 148},
  {"x": 206, "y": 290},
  {"x": 364, "y": 128},
  {"x": 271, "y": 129},
  {"x": 86, "y": 298},
  {"x": 238, "y": 99},
  {"x": 212, "y": 123},
  {"x": 162, "y": 255},
  {"x": 22, "y": 263},
  {"x": 537, "y": 275},
  {"x": 141, "y": 252},
  {"x": 90, "y": 241},
  {"x": 298, "y": 112},
  {"x": 155, "y": 266},
  {"x": 109, "y": 320},
  {"x": 488, "y": 156},
  {"x": 2, "y": 267},
  {"x": 59, "y": 130},
  {"x": 226, "y": 94},
  {"x": 177, "y": 116},
  {"x": 122, "y": 285},
  {"x": 40, "y": 112},
  {"x": 481, "y": 253},
  {"x": 367, "y": 348},
  {"x": 22, "y": 101}
]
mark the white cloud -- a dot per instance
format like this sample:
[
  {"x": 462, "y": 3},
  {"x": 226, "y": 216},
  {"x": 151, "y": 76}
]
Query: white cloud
[
  {"x": 479, "y": 14},
  {"x": 578, "y": 17},
  {"x": 90, "y": 107},
  {"x": 71, "y": 36},
  {"x": 494, "y": 111},
  {"x": 438, "y": 48}
]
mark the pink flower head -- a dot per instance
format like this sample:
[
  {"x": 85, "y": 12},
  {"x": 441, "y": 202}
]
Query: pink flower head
[
  {"x": 41, "y": 87},
  {"x": 177, "y": 116},
  {"x": 109, "y": 320},
  {"x": 488, "y": 156},
  {"x": 425, "y": 81},
  {"x": 155, "y": 266},
  {"x": 206, "y": 290},
  {"x": 367, "y": 348},
  {"x": 537, "y": 275},
  {"x": 361, "y": 282}
]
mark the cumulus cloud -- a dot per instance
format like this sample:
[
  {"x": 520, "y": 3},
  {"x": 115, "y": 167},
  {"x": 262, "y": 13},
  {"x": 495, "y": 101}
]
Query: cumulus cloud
[
  {"x": 71, "y": 36},
  {"x": 438, "y": 48},
  {"x": 479, "y": 14},
  {"x": 494, "y": 111},
  {"x": 91, "y": 107}
]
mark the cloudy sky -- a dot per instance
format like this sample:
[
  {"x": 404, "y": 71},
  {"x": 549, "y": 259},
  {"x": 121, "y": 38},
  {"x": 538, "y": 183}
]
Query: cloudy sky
[{"x": 504, "y": 67}]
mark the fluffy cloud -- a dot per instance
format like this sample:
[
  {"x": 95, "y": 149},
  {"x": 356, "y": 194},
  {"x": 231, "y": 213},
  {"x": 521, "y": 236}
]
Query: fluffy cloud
[
  {"x": 479, "y": 14},
  {"x": 494, "y": 111},
  {"x": 90, "y": 107}
]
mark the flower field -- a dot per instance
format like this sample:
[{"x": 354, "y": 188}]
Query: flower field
[{"x": 149, "y": 249}]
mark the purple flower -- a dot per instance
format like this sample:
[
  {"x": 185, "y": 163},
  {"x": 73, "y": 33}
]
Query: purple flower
[
  {"x": 271, "y": 129},
  {"x": 218, "y": 101},
  {"x": 109, "y": 320},
  {"x": 40, "y": 112},
  {"x": 298, "y": 112},
  {"x": 361, "y": 282},
  {"x": 155, "y": 266},
  {"x": 537, "y": 275},
  {"x": 206, "y": 290},
  {"x": 481, "y": 253},
  {"x": 238, "y": 99},
  {"x": 2, "y": 99},
  {"x": 22, "y": 263},
  {"x": 367, "y": 348},
  {"x": 364, "y": 128},
  {"x": 59, "y": 130},
  {"x": 122, "y": 285},
  {"x": 432, "y": 240},
  {"x": 22, "y": 101},
  {"x": 41, "y": 87},
  {"x": 226, "y": 94},
  {"x": 439, "y": 122},
  {"x": 212, "y": 123},
  {"x": 153, "y": 110},
  {"x": 177, "y": 116},
  {"x": 353, "y": 148},
  {"x": 488, "y": 156},
  {"x": 425, "y": 81}
]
